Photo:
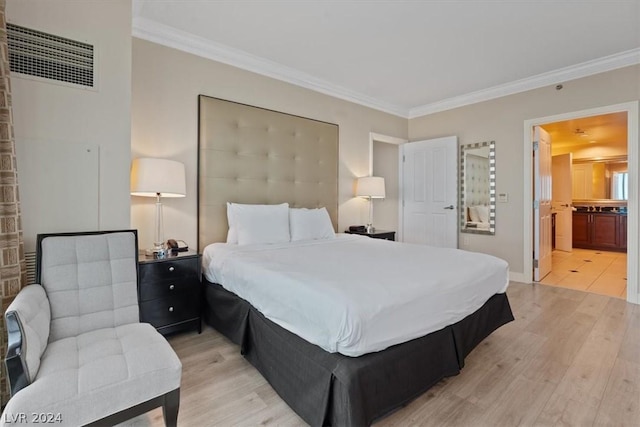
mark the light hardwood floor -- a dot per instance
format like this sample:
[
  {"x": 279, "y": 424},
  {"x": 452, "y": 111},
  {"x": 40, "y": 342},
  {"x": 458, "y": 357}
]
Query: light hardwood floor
[{"x": 570, "y": 358}]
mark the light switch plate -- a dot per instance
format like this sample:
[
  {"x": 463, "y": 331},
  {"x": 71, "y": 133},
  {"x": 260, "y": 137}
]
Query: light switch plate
[{"x": 503, "y": 197}]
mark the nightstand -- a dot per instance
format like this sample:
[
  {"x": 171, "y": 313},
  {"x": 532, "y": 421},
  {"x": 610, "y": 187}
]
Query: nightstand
[
  {"x": 378, "y": 234},
  {"x": 170, "y": 293}
]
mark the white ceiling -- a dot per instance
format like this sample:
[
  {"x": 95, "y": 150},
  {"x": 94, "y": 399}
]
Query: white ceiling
[{"x": 405, "y": 57}]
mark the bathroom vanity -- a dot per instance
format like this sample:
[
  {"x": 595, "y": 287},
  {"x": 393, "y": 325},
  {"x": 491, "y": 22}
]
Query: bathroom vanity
[{"x": 600, "y": 228}]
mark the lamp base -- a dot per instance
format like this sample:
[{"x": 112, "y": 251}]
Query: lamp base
[{"x": 370, "y": 229}]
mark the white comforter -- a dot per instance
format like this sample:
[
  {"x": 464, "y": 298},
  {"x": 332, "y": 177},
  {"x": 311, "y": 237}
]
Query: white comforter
[{"x": 357, "y": 295}]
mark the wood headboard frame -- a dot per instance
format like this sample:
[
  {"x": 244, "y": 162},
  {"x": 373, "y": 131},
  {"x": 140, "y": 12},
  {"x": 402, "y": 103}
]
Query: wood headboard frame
[{"x": 249, "y": 154}]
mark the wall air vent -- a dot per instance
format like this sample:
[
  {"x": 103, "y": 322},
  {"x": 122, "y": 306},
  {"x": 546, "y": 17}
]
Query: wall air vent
[
  {"x": 30, "y": 258},
  {"x": 47, "y": 56}
]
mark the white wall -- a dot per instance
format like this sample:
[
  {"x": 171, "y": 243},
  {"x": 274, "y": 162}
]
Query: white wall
[
  {"x": 55, "y": 114},
  {"x": 166, "y": 85},
  {"x": 502, "y": 120}
]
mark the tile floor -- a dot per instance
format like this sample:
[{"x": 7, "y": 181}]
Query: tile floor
[{"x": 599, "y": 272}]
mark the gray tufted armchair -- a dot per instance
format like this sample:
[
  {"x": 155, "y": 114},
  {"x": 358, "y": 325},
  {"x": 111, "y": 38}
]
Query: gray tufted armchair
[{"x": 77, "y": 353}]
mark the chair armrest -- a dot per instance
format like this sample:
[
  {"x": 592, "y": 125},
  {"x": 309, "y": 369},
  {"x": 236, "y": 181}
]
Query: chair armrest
[
  {"x": 27, "y": 319},
  {"x": 15, "y": 363}
]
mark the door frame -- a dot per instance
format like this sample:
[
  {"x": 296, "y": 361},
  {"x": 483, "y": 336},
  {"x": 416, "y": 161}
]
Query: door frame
[
  {"x": 399, "y": 142},
  {"x": 633, "y": 239},
  {"x": 543, "y": 253}
]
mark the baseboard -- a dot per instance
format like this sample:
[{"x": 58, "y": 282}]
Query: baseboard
[{"x": 518, "y": 277}]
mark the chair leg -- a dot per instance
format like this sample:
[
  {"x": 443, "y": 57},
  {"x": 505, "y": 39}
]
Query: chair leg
[{"x": 170, "y": 408}]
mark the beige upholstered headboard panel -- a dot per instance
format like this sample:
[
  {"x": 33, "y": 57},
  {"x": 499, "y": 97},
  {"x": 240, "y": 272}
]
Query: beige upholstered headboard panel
[{"x": 251, "y": 155}]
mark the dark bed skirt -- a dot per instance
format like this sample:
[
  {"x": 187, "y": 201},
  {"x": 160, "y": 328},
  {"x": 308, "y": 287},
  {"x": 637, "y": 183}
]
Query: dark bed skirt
[{"x": 332, "y": 389}]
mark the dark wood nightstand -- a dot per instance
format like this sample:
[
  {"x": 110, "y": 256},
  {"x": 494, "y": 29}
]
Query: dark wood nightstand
[
  {"x": 378, "y": 234},
  {"x": 170, "y": 293}
]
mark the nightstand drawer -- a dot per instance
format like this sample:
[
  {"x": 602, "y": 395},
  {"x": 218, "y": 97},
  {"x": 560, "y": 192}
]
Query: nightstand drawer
[
  {"x": 169, "y": 269},
  {"x": 168, "y": 288},
  {"x": 166, "y": 311}
]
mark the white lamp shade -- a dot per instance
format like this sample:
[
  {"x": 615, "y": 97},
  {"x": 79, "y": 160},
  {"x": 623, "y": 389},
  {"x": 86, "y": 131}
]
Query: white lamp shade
[
  {"x": 150, "y": 177},
  {"x": 370, "y": 186}
]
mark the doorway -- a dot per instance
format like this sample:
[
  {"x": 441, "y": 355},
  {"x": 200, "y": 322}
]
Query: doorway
[
  {"x": 632, "y": 239},
  {"x": 385, "y": 161},
  {"x": 590, "y": 190}
]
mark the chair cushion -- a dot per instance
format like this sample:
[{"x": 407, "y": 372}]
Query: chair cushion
[
  {"x": 90, "y": 281},
  {"x": 98, "y": 373}
]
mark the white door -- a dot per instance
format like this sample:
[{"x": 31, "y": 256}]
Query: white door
[
  {"x": 562, "y": 191},
  {"x": 430, "y": 193},
  {"x": 542, "y": 203}
]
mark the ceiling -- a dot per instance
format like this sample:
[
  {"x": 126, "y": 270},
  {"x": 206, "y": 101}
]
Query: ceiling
[
  {"x": 405, "y": 57},
  {"x": 606, "y": 129}
]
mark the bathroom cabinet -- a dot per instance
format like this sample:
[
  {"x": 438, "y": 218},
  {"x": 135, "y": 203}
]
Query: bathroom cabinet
[{"x": 600, "y": 230}]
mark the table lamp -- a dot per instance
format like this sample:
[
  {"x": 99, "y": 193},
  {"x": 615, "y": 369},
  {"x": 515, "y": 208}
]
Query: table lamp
[
  {"x": 151, "y": 177},
  {"x": 370, "y": 187}
]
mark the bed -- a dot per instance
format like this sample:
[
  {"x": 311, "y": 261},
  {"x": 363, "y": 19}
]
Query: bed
[{"x": 335, "y": 379}]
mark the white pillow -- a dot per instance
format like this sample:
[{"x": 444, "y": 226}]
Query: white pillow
[
  {"x": 473, "y": 214},
  {"x": 310, "y": 224},
  {"x": 232, "y": 234},
  {"x": 261, "y": 224},
  {"x": 483, "y": 213}
]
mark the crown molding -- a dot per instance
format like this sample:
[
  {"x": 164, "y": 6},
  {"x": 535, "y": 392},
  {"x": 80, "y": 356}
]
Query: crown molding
[
  {"x": 156, "y": 32},
  {"x": 600, "y": 65},
  {"x": 168, "y": 36}
]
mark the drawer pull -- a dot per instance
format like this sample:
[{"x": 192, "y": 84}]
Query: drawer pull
[
  {"x": 171, "y": 309},
  {"x": 172, "y": 287},
  {"x": 172, "y": 268}
]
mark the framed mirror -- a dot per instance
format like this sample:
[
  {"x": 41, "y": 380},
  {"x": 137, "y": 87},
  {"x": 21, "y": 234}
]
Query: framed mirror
[
  {"x": 478, "y": 188},
  {"x": 602, "y": 180}
]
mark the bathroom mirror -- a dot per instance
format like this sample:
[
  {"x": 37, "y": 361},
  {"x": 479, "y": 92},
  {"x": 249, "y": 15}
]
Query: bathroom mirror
[
  {"x": 597, "y": 179},
  {"x": 478, "y": 188}
]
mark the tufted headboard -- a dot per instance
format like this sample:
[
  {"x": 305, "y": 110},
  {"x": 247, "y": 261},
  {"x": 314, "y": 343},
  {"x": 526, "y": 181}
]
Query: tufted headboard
[{"x": 248, "y": 154}]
